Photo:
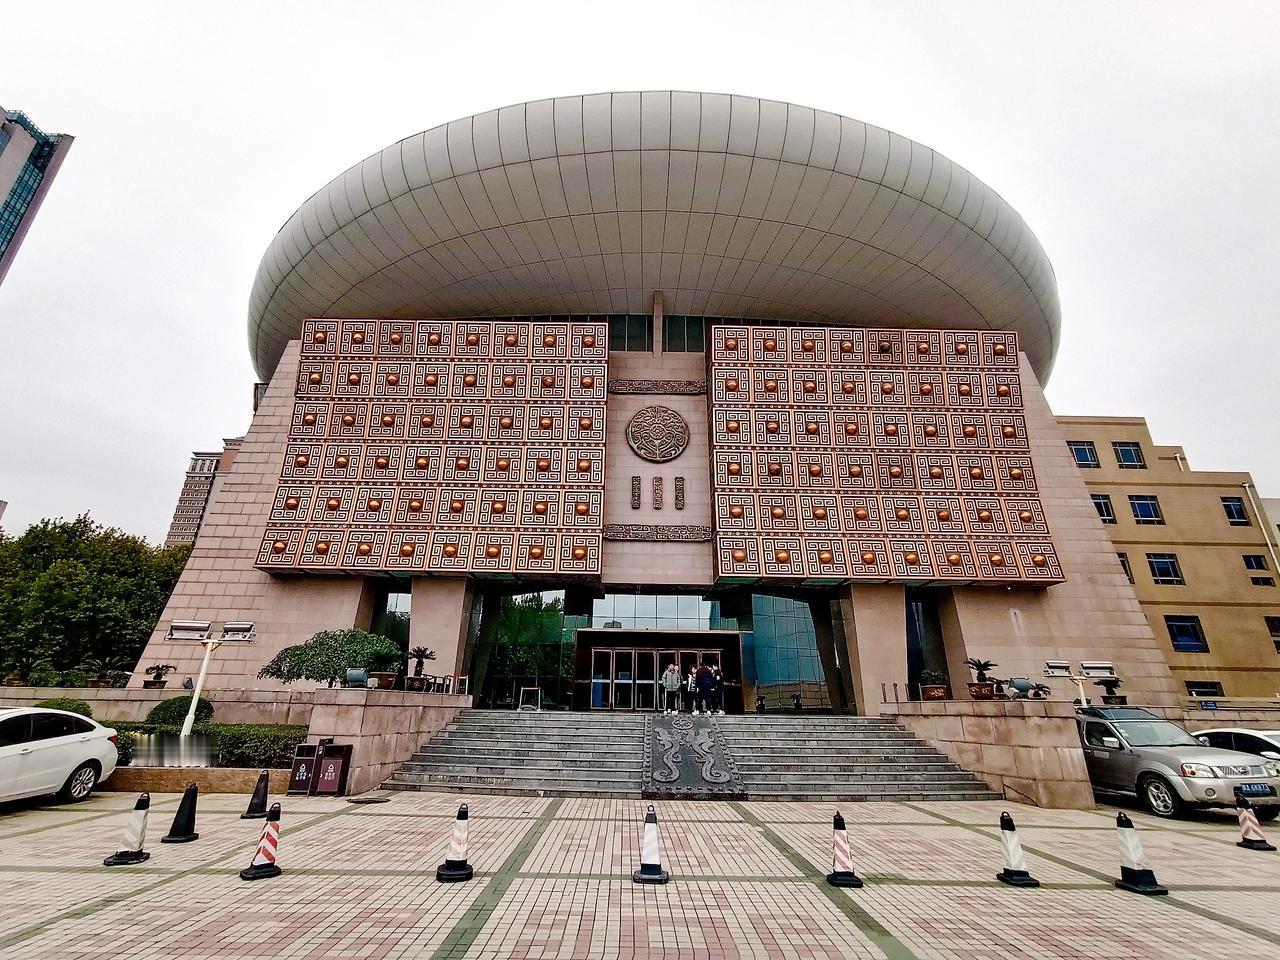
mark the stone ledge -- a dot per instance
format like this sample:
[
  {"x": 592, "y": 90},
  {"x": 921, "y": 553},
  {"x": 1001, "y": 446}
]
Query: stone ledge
[{"x": 208, "y": 779}]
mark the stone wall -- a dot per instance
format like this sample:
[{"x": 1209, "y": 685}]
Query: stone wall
[
  {"x": 132, "y": 704},
  {"x": 385, "y": 727},
  {"x": 1027, "y": 750},
  {"x": 208, "y": 779}
]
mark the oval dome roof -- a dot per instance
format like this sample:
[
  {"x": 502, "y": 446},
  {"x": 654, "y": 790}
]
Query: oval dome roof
[{"x": 731, "y": 206}]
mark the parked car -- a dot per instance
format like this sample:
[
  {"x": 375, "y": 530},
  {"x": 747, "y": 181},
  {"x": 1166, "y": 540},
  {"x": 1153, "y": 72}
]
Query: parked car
[
  {"x": 1264, "y": 743},
  {"x": 53, "y": 751},
  {"x": 1130, "y": 751}
]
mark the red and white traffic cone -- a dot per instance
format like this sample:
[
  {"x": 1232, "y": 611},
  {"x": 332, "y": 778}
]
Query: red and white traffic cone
[
  {"x": 1251, "y": 837},
  {"x": 455, "y": 867},
  {"x": 135, "y": 833},
  {"x": 264, "y": 863},
  {"x": 650, "y": 853},
  {"x": 1015, "y": 861},
  {"x": 1136, "y": 874},
  {"x": 841, "y": 874}
]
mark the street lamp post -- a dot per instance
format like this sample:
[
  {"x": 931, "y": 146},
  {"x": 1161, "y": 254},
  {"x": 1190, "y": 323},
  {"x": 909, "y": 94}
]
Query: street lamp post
[{"x": 202, "y": 632}]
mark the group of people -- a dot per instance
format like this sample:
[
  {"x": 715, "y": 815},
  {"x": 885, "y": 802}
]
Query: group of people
[{"x": 702, "y": 690}]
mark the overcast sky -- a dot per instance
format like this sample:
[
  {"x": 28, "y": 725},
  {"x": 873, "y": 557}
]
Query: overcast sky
[{"x": 1140, "y": 141}]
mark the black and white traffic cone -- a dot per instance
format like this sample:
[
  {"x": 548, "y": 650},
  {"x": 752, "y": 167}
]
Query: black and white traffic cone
[
  {"x": 1015, "y": 861},
  {"x": 183, "y": 829},
  {"x": 841, "y": 874},
  {"x": 650, "y": 853},
  {"x": 455, "y": 867},
  {"x": 1251, "y": 837},
  {"x": 258, "y": 802},
  {"x": 1136, "y": 874},
  {"x": 264, "y": 862},
  {"x": 135, "y": 834}
]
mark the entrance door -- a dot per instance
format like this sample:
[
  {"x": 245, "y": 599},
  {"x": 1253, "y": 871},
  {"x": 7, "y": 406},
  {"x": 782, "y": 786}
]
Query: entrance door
[
  {"x": 601, "y": 679},
  {"x": 624, "y": 676},
  {"x": 646, "y": 690}
]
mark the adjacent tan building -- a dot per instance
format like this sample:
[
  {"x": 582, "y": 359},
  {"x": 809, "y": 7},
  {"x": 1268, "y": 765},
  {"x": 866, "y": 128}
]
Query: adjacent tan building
[{"x": 1198, "y": 549}]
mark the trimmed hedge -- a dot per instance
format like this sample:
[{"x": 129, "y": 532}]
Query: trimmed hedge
[
  {"x": 70, "y": 704},
  {"x": 174, "y": 711},
  {"x": 258, "y": 745}
]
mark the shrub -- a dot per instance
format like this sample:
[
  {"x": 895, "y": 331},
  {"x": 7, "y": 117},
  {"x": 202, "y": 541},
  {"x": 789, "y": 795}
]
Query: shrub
[
  {"x": 255, "y": 745},
  {"x": 173, "y": 712},
  {"x": 124, "y": 747},
  {"x": 71, "y": 704},
  {"x": 44, "y": 674},
  {"x": 326, "y": 656}
]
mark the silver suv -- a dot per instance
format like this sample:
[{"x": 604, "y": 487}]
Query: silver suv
[{"x": 1131, "y": 751}]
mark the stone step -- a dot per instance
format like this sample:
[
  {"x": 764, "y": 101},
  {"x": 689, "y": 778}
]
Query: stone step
[
  {"x": 759, "y": 768},
  {"x": 545, "y": 760},
  {"x": 622, "y": 785},
  {"x": 446, "y": 751}
]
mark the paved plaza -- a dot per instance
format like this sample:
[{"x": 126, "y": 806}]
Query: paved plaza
[{"x": 553, "y": 880}]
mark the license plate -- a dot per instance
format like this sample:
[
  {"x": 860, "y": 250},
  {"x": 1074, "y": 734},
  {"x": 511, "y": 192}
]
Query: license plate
[{"x": 1256, "y": 789}]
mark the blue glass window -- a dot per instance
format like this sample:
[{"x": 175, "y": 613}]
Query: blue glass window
[
  {"x": 1102, "y": 503},
  {"x": 1165, "y": 569},
  {"x": 1186, "y": 634},
  {"x": 1085, "y": 453},
  {"x": 1128, "y": 455},
  {"x": 1146, "y": 509},
  {"x": 1237, "y": 516}
]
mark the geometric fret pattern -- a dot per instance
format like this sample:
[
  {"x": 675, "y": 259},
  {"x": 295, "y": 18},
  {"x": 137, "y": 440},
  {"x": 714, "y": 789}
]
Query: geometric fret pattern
[
  {"x": 445, "y": 446},
  {"x": 873, "y": 455}
]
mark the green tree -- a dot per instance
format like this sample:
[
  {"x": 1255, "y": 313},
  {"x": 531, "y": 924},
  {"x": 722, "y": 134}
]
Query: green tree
[
  {"x": 74, "y": 590},
  {"x": 326, "y": 656}
]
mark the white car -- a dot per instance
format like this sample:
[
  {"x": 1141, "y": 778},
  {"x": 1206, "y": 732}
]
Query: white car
[
  {"x": 1264, "y": 743},
  {"x": 53, "y": 751}
]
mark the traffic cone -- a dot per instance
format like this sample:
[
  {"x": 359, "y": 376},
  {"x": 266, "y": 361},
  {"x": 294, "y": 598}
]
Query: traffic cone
[
  {"x": 841, "y": 874},
  {"x": 650, "y": 853},
  {"x": 264, "y": 863},
  {"x": 455, "y": 867},
  {"x": 135, "y": 832},
  {"x": 183, "y": 829},
  {"x": 1015, "y": 862},
  {"x": 257, "y": 802},
  {"x": 1136, "y": 874},
  {"x": 1251, "y": 837}
]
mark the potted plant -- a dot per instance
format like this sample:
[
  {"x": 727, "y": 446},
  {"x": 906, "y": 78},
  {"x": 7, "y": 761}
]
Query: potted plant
[
  {"x": 1039, "y": 691},
  {"x": 327, "y": 656},
  {"x": 384, "y": 668},
  {"x": 933, "y": 685},
  {"x": 982, "y": 687},
  {"x": 100, "y": 671},
  {"x": 157, "y": 672},
  {"x": 1109, "y": 695},
  {"x": 420, "y": 655}
]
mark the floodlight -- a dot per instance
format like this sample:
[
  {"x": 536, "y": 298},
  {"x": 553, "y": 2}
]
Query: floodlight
[
  {"x": 1057, "y": 668},
  {"x": 1097, "y": 668},
  {"x": 238, "y": 630},
  {"x": 189, "y": 630}
]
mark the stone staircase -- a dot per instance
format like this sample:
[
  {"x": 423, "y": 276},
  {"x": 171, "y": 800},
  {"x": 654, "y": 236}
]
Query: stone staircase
[
  {"x": 779, "y": 757},
  {"x": 544, "y": 754}
]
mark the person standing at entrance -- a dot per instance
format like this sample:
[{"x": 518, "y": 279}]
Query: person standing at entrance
[
  {"x": 691, "y": 690},
  {"x": 702, "y": 691},
  {"x": 671, "y": 685},
  {"x": 717, "y": 691}
]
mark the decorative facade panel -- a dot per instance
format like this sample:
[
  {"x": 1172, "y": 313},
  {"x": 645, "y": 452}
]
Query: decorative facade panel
[
  {"x": 444, "y": 446},
  {"x": 862, "y": 454}
]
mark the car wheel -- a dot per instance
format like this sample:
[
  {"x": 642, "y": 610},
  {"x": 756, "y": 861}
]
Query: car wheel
[
  {"x": 80, "y": 784},
  {"x": 1159, "y": 797},
  {"x": 1267, "y": 814}
]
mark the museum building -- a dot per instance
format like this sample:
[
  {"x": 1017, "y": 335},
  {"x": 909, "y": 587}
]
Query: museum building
[{"x": 572, "y": 389}]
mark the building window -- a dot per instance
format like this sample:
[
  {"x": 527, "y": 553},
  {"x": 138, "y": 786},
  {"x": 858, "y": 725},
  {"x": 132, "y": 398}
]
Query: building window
[
  {"x": 631, "y": 332},
  {"x": 683, "y": 334},
  {"x": 1203, "y": 688},
  {"x": 1273, "y": 626},
  {"x": 1263, "y": 581},
  {"x": 1146, "y": 509},
  {"x": 1236, "y": 514},
  {"x": 1124, "y": 562},
  {"x": 1186, "y": 634},
  {"x": 1084, "y": 452},
  {"x": 1102, "y": 503},
  {"x": 1128, "y": 455},
  {"x": 1254, "y": 561},
  {"x": 1165, "y": 569}
]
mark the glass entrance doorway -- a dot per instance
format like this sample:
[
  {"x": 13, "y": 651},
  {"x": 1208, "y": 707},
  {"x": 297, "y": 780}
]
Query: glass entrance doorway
[{"x": 627, "y": 679}]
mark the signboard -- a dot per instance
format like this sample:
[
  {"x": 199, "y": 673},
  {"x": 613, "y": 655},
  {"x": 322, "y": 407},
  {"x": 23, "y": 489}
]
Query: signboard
[
  {"x": 302, "y": 777},
  {"x": 329, "y": 775}
]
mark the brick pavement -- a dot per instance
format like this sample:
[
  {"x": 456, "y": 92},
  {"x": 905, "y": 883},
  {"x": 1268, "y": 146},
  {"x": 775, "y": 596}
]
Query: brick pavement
[{"x": 553, "y": 881}]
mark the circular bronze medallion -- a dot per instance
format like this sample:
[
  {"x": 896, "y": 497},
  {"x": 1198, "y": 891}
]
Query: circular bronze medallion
[{"x": 658, "y": 434}]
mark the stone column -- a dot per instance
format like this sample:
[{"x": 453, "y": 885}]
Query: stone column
[
  {"x": 439, "y": 618},
  {"x": 834, "y": 667},
  {"x": 874, "y": 620}
]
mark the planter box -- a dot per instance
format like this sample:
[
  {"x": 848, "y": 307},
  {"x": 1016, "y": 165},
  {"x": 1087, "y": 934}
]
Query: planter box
[
  {"x": 154, "y": 684},
  {"x": 93, "y": 683},
  {"x": 985, "y": 690},
  {"x": 415, "y": 684},
  {"x": 1115, "y": 700},
  {"x": 386, "y": 680},
  {"x": 932, "y": 691},
  {"x": 175, "y": 779}
]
